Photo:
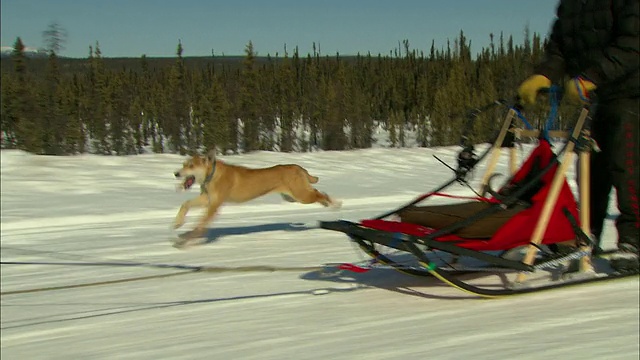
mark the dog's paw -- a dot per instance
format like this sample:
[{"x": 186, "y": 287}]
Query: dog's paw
[
  {"x": 184, "y": 243},
  {"x": 199, "y": 232},
  {"x": 178, "y": 223}
]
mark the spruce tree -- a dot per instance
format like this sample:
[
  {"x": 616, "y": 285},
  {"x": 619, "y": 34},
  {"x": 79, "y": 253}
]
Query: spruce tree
[
  {"x": 23, "y": 116},
  {"x": 286, "y": 107},
  {"x": 248, "y": 105},
  {"x": 177, "y": 123},
  {"x": 74, "y": 134},
  {"x": 214, "y": 109},
  {"x": 95, "y": 103},
  {"x": 53, "y": 120}
]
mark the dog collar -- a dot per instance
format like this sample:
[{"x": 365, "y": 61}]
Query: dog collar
[{"x": 203, "y": 186}]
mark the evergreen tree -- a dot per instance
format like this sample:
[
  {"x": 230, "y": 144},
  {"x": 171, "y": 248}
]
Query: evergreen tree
[
  {"x": 53, "y": 119},
  {"x": 177, "y": 122},
  {"x": 358, "y": 115},
  {"x": 7, "y": 128},
  {"x": 94, "y": 103},
  {"x": 21, "y": 115},
  {"x": 214, "y": 113},
  {"x": 248, "y": 106},
  {"x": 332, "y": 121},
  {"x": 54, "y": 38},
  {"x": 119, "y": 110},
  {"x": 135, "y": 140},
  {"x": 74, "y": 133},
  {"x": 288, "y": 103},
  {"x": 311, "y": 104}
]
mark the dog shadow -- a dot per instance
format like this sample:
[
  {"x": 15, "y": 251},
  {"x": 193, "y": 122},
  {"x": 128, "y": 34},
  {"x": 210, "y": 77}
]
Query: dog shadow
[{"x": 214, "y": 234}]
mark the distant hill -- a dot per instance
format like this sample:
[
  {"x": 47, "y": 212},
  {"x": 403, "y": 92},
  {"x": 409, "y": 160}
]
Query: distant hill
[
  {"x": 68, "y": 65},
  {"x": 5, "y": 51}
]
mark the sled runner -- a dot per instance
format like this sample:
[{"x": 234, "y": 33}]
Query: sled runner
[{"x": 531, "y": 231}]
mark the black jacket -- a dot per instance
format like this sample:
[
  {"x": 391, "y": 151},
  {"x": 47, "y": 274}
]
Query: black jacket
[{"x": 599, "y": 40}]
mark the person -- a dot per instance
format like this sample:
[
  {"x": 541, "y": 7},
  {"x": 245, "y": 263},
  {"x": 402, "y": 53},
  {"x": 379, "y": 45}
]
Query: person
[{"x": 593, "y": 51}]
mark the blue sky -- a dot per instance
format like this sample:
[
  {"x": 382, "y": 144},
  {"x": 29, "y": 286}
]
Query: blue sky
[{"x": 153, "y": 27}]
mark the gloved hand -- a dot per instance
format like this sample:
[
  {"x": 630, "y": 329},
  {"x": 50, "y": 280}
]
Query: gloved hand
[
  {"x": 577, "y": 90},
  {"x": 529, "y": 88}
]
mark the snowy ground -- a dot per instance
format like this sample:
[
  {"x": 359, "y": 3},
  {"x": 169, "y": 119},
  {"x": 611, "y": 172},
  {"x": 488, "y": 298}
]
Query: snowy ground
[{"x": 118, "y": 209}]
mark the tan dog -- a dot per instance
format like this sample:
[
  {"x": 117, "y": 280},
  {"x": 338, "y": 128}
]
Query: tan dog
[{"x": 221, "y": 182}]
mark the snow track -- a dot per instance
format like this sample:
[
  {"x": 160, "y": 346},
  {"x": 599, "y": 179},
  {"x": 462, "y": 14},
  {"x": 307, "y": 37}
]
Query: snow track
[{"x": 120, "y": 209}]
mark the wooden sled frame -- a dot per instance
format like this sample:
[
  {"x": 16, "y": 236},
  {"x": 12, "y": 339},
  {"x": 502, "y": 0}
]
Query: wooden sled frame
[
  {"x": 580, "y": 134},
  {"x": 580, "y": 131}
]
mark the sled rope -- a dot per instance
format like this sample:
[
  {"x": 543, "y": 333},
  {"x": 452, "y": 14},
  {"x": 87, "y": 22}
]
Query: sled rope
[
  {"x": 98, "y": 283},
  {"x": 191, "y": 268},
  {"x": 526, "y": 122},
  {"x": 554, "y": 100},
  {"x": 186, "y": 269},
  {"x": 120, "y": 263}
]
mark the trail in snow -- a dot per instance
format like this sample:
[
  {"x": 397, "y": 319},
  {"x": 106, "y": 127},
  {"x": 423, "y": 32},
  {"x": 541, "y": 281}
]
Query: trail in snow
[{"x": 96, "y": 209}]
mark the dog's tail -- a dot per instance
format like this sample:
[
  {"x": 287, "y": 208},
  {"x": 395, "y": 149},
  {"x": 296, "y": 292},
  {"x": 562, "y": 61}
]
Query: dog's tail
[{"x": 312, "y": 179}]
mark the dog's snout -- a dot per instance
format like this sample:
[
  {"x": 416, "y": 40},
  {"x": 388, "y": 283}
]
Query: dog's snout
[{"x": 176, "y": 174}]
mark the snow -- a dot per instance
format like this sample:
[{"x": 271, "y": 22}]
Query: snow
[
  {"x": 8, "y": 50},
  {"x": 265, "y": 297}
]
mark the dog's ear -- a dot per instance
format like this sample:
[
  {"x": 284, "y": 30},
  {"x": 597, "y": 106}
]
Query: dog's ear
[{"x": 211, "y": 155}]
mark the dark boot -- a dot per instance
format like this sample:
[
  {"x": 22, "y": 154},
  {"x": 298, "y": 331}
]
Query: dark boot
[{"x": 626, "y": 259}]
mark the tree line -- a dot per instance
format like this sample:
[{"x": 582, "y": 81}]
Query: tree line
[{"x": 289, "y": 102}]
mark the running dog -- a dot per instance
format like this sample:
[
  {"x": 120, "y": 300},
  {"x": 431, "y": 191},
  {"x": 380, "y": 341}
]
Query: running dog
[{"x": 221, "y": 182}]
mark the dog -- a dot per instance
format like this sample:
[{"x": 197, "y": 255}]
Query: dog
[{"x": 221, "y": 182}]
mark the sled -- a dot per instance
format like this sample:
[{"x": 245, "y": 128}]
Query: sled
[{"x": 531, "y": 232}]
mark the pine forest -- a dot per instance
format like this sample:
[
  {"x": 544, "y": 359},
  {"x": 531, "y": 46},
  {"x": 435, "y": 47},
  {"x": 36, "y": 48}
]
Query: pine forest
[{"x": 287, "y": 102}]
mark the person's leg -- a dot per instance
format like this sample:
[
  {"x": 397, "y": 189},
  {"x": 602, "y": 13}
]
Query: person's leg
[
  {"x": 600, "y": 178},
  {"x": 625, "y": 173},
  {"x": 624, "y": 158}
]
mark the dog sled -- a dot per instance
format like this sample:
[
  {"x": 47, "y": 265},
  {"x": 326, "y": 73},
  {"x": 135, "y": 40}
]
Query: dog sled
[{"x": 531, "y": 233}]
